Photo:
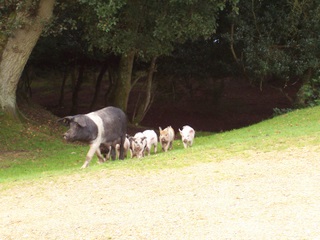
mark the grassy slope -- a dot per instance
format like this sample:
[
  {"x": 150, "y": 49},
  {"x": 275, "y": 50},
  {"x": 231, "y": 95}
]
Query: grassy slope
[{"x": 35, "y": 151}]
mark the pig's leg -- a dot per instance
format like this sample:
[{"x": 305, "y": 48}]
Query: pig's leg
[
  {"x": 113, "y": 153},
  {"x": 185, "y": 145},
  {"x": 92, "y": 150},
  {"x": 166, "y": 146},
  {"x": 163, "y": 146},
  {"x": 121, "y": 152},
  {"x": 155, "y": 148},
  {"x": 147, "y": 151},
  {"x": 170, "y": 145},
  {"x": 100, "y": 157},
  {"x": 108, "y": 155},
  {"x": 125, "y": 154},
  {"x": 117, "y": 150}
]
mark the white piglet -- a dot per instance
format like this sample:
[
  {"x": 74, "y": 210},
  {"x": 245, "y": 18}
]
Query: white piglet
[
  {"x": 187, "y": 135},
  {"x": 152, "y": 140}
]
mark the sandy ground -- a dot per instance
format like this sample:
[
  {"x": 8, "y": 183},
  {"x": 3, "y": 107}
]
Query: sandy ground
[{"x": 272, "y": 195}]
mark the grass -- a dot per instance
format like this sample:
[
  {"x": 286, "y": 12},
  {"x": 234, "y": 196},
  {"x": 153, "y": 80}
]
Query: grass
[{"x": 36, "y": 151}]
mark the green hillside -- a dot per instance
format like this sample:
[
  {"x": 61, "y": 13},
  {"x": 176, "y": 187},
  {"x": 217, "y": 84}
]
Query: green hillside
[{"x": 33, "y": 151}]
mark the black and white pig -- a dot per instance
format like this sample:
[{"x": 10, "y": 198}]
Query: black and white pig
[{"x": 107, "y": 126}]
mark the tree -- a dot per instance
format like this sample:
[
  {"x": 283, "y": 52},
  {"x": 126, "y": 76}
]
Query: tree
[
  {"x": 143, "y": 104},
  {"x": 146, "y": 30},
  {"x": 22, "y": 23},
  {"x": 277, "y": 40}
]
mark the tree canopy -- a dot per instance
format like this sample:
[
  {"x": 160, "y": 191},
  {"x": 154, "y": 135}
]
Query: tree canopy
[
  {"x": 278, "y": 39},
  {"x": 270, "y": 41},
  {"x": 137, "y": 29}
]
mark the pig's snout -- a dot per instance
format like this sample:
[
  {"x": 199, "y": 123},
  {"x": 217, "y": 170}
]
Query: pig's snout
[{"x": 65, "y": 136}]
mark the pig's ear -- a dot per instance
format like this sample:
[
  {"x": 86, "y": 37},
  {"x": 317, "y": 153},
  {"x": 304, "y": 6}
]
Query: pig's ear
[
  {"x": 66, "y": 120},
  {"x": 81, "y": 121},
  {"x": 129, "y": 138},
  {"x": 160, "y": 129}
]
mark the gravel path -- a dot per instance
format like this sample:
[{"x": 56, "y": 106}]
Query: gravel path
[{"x": 272, "y": 195}]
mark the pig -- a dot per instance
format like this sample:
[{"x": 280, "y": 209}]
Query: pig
[
  {"x": 100, "y": 129},
  {"x": 166, "y": 138},
  {"x": 152, "y": 140},
  {"x": 187, "y": 135},
  {"x": 138, "y": 144}
]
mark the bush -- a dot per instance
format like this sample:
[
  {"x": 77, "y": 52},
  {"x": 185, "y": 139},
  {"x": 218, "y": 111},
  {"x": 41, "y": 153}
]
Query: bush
[{"x": 311, "y": 92}]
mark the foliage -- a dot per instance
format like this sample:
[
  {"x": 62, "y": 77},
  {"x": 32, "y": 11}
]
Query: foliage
[
  {"x": 149, "y": 27},
  {"x": 9, "y": 10},
  {"x": 14, "y": 14},
  {"x": 141, "y": 29},
  {"x": 200, "y": 60},
  {"x": 310, "y": 92},
  {"x": 29, "y": 152},
  {"x": 278, "y": 111},
  {"x": 277, "y": 39}
]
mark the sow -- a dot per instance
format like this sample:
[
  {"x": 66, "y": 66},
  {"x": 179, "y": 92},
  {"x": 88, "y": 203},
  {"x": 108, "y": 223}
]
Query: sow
[{"x": 105, "y": 127}]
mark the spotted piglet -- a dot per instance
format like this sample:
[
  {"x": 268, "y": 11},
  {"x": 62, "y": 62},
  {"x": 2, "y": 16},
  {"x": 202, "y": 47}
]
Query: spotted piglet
[{"x": 138, "y": 144}]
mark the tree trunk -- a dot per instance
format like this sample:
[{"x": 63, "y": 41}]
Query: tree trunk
[
  {"x": 17, "y": 51},
  {"x": 120, "y": 94},
  {"x": 144, "y": 106},
  {"x": 74, "y": 107},
  {"x": 111, "y": 77},
  {"x": 102, "y": 72},
  {"x": 63, "y": 84},
  {"x": 239, "y": 61}
]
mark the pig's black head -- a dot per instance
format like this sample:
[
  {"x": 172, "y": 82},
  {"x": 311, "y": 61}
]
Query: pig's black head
[{"x": 82, "y": 128}]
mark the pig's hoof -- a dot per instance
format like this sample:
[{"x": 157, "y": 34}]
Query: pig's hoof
[
  {"x": 84, "y": 166},
  {"x": 101, "y": 161}
]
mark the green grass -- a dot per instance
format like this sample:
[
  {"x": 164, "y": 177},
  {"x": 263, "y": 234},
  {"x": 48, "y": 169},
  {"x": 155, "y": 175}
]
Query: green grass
[{"x": 32, "y": 152}]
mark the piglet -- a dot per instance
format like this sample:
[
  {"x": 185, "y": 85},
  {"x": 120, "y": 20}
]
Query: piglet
[
  {"x": 187, "y": 135},
  {"x": 166, "y": 138},
  {"x": 152, "y": 140},
  {"x": 138, "y": 144}
]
